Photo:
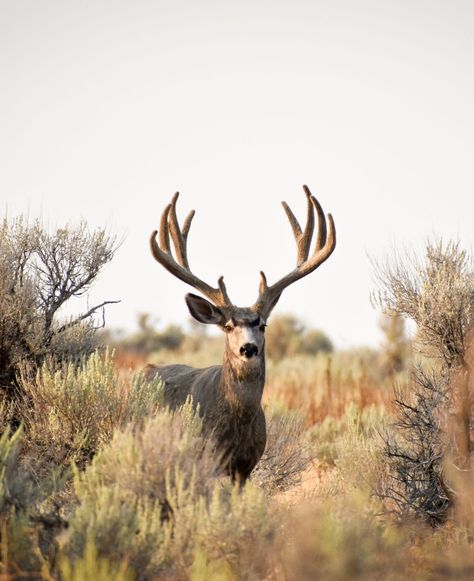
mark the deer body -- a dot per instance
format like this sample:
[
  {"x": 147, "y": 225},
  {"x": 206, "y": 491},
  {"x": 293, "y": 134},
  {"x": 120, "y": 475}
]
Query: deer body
[
  {"x": 231, "y": 415},
  {"x": 229, "y": 395},
  {"x": 229, "y": 398}
]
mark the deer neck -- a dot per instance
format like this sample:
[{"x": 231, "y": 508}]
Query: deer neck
[{"x": 242, "y": 381}]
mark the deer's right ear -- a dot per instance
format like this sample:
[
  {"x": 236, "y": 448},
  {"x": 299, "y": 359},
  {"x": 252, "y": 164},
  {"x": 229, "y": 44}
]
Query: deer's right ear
[{"x": 204, "y": 311}]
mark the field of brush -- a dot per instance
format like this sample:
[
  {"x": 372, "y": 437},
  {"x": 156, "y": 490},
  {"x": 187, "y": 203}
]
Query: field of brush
[
  {"x": 101, "y": 482},
  {"x": 367, "y": 469}
]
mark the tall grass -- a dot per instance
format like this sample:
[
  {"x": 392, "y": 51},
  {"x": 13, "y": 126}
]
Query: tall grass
[
  {"x": 326, "y": 385},
  {"x": 140, "y": 496}
]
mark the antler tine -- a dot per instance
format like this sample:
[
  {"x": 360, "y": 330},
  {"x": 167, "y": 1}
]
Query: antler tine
[
  {"x": 223, "y": 291},
  {"x": 324, "y": 247},
  {"x": 308, "y": 231},
  {"x": 263, "y": 286},
  {"x": 179, "y": 241},
  {"x": 164, "y": 230},
  {"x": 180, "y": 267},
  {"x": 295, "y": 225},
  {"x": 303, "y": 239},
  {"x": 322, "y": 228},
  {"x": 187, "y": 224}
]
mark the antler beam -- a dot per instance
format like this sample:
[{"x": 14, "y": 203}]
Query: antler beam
[
  {"x": 179, "y": 266},
  {"x": 305, "y": 264}
]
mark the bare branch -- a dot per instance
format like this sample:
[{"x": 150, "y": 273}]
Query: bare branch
[{"x": 82, "y": 317}]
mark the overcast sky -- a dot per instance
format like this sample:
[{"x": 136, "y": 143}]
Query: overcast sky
[{"x": 108, "y": 108}]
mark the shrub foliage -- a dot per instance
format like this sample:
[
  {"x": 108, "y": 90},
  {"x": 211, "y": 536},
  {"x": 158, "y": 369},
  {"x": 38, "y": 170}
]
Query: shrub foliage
[
  {"x": 39, "y": 273},
  {"x": 433, "y": 425}
]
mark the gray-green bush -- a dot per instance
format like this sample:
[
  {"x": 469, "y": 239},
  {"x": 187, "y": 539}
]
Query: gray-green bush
[
  {"x": 152, "y": 499},
  {"x": 39, "y": 273},
  {"x": 434, "y": 414},
  {"x": 70, "y": 411}
]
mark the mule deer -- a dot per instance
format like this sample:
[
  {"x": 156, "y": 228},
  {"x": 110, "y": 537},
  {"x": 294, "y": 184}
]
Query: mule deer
[{"x": 229, "y": 395}]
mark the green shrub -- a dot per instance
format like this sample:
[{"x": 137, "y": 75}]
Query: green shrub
[
  {"x": 431, "y": 434},
  {"x": 234, "y": 533},
  {"x": 19, "y": 498},
  {"x": 69, "y": 412},
  {"x": 143, "y": 463},
  {"x": 39, "y": 273},
  {"x": 436, "y": 292},
  {"x": 121, "y": 528},
  {"x": 332, "y": 438},
  {"x": 152, "y": 498},
  {"x": 91, "y": 566},
  {"x": 15, "y": 486}
]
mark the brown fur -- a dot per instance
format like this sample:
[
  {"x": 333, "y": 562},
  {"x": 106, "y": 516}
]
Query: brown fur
[{"x": 229, "y": 399}]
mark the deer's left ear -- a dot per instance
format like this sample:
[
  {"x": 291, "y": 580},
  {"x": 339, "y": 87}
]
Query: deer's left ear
[{"x": 204, "y": 311}]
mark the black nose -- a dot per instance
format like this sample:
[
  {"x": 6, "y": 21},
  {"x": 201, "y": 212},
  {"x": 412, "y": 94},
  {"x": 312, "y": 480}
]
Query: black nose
[{"x": 249, "y": 350}]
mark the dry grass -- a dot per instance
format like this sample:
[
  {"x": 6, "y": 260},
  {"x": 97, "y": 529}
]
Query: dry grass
[
  {"x": 102, "y": 482},
  {"x": 318, "y": 387},
  {"x": 315, "y": 386},
  {"x": 148, "y": 504}
]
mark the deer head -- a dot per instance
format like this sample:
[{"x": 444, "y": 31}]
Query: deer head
[{"x": 244, "y": 327}]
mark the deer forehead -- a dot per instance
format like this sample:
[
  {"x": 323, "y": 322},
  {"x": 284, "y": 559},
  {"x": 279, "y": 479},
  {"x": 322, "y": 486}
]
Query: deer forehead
[
  {"x": 245, "y": 318},
  {"x": 245, "y": 331}
]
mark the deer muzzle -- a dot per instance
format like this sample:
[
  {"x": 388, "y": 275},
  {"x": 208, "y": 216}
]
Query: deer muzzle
[{"x": 249, "y": 350}]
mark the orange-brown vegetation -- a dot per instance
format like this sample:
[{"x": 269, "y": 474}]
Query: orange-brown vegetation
[
  {"x": 128, "y": 360},
  {"x": 317, "y": 391},
  {"x": 98, "y": 480}
]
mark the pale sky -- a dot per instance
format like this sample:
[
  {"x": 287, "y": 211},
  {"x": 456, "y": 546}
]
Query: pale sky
[{"x": 108, "y": 108}]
